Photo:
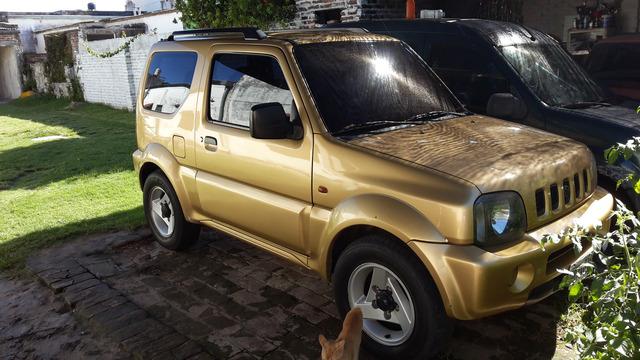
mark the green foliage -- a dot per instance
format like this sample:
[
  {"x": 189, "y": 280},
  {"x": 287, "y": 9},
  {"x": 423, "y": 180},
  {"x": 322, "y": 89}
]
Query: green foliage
[
  {"x": 229, "y": 13},
  {"x": 54, "y": 189},
  {"x": 29, "y": 82},
  {"x": 59, "y": 56},
  {"x": 606, "y": 287},
  {"x": 76, "y": 90},
  {"x": 625, "y": 151},
  {"x": 114, "y": 52},
  {"x": 606, "y": 290}
]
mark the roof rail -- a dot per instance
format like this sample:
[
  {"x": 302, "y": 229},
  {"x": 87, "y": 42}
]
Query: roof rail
[
  {"x": 345, "y": 27},
  {"x": 249, "y": 33}
]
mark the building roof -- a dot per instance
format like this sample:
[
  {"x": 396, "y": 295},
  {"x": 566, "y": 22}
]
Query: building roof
[
  {"x": 75, "y": 26},
  {"x": 66, "y": 12},
  {"x": 6, "y": 28}
]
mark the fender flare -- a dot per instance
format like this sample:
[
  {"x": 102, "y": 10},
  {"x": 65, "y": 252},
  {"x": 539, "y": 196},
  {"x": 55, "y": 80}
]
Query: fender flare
[
  {"x": 379, "y": 211},
  {"x": 177, "y": 174}
]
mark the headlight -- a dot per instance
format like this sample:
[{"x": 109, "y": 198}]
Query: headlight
[{"x": 499, "y": 218}]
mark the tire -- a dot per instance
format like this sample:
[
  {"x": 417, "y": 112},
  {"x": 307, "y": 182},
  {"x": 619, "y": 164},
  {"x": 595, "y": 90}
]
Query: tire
[
  {"x": 431, "y": 327},
  {"x": 174, "y": 231}
]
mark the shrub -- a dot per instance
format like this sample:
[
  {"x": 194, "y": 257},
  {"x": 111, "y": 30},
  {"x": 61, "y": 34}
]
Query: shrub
[{"x": 606, "y": 287}]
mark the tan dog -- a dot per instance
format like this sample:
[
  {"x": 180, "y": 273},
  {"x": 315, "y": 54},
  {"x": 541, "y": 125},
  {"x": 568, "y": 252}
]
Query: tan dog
[{"x": 347, "y": 345}]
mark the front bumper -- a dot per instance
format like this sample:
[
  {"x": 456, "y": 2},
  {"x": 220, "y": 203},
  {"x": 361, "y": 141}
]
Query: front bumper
[{"x": 475, "y": 283}]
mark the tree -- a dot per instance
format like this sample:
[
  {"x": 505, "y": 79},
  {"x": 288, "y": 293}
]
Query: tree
[{"x": 230, "y": 13}]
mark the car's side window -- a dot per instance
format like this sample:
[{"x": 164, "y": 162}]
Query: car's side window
[
  {"x": 240, "y": 81},
  {"x": 168, "y": 81},
  {"x": 471, "y": 75}
]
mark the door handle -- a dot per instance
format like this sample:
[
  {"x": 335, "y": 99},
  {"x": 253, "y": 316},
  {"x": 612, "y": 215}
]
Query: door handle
[{"x": 210, "y": 143}]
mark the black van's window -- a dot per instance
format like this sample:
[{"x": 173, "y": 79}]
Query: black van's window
[
  {"x": 168, "y": 81},
  {"x": 551, "y": 74},
  {"x": 471, "y": 75},
  {"x": 359, "y": 82},
  {"x": 240, "y": 81}
]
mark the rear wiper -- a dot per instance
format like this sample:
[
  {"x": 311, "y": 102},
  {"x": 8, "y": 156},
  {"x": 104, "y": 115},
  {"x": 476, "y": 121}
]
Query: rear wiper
[{"x": 585, "y": 104}]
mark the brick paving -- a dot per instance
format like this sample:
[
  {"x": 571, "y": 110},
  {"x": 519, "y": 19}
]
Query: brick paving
[{"x": 225, "y": 299}]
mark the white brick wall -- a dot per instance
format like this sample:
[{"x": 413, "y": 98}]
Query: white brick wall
[{"x": 114, "y": 81}]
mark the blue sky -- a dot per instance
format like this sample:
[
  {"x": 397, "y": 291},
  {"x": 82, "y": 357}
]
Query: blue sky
[{"x": 52, "y": 5}]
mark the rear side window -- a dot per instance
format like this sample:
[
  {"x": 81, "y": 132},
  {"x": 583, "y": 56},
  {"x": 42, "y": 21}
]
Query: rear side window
[
  {"x": 240, "y": 81},
  {"x": 168, "y": 81},
  {"x": 471, "y": 75}
]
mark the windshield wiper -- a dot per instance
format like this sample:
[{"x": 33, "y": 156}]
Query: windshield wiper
[
  {"x": 585, "y": 104},
  {"x": 368, "y": 126},
  {"x": 438, "y": 114},
  {"x": 382, "y": 124}
]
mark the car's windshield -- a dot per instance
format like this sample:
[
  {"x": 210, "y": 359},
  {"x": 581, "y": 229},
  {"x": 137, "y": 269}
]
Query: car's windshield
[
  {"x": 357, "y": 83},
  {"x": 551, "y": 74}
]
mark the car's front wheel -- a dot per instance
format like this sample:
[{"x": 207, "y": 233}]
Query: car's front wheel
[
  {"x": 403, "y": 314},
  {"x": 164, "y": 214}
]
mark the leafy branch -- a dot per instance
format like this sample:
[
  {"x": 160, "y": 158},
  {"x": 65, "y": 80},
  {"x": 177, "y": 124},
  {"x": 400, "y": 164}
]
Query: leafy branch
[{"x": 116, "y": 51}]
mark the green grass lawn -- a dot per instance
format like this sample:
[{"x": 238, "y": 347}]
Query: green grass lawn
[{"x": 54, "y": 189}]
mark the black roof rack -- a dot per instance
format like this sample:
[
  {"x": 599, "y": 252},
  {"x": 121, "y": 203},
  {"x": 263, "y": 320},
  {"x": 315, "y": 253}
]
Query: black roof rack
[{"x": 249, "y": 33}]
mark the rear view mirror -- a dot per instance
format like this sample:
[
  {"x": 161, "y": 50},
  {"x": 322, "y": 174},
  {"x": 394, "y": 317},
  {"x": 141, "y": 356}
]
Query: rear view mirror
[
  {"x": 506, "y": 106},
  {"x": 269, "y": 121}
]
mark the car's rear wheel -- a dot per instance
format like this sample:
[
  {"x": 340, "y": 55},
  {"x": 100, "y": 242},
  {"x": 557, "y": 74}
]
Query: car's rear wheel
[
  {"x": 164, "y": 214},
  {"x": 403, "y": 314}
]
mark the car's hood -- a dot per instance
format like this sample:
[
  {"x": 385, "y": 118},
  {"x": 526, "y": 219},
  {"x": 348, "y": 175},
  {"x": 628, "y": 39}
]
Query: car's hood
[
  {"x": 496, "y": 155},
  {"x": 618, "y": 115}
]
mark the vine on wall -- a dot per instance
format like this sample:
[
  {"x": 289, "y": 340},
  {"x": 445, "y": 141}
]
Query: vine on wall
[
  {"x": 59, "y": 56},
  {"x": 116, "y": 51}
]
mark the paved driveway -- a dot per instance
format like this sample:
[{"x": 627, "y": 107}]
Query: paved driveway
[{"x": 226, "y": 299}]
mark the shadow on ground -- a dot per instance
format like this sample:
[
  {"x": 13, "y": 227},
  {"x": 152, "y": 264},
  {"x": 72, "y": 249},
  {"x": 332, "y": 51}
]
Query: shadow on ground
[
  {"x": 15, "y": 250},
  {"x": 238, "y": 302}
]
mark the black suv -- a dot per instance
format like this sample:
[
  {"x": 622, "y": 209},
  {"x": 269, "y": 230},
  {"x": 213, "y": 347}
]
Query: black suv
[{"x": 520, "y": 74}]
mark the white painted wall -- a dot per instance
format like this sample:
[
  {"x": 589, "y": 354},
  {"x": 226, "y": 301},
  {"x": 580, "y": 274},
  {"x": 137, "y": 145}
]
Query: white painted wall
[
  {"x": 9, "y": 73},
  {"x": 114, "y": 81}
]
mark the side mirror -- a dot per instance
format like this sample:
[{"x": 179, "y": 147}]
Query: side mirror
[
  {"x": 506, "y": 106},
  {"x": 269, "y": 121}
]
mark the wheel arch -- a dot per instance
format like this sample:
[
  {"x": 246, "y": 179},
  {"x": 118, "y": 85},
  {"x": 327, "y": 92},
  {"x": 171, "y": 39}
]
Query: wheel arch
[
  {"x": 372, "y": 213},
  {"x": 156, "y": 157}
]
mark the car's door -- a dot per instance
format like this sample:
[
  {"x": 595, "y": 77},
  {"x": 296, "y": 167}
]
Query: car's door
[{"x": 259, "y": 187}]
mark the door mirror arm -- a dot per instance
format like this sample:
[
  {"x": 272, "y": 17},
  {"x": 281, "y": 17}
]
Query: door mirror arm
[{"x": 506, "y": 106}]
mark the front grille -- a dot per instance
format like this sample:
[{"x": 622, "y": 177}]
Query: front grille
[{"x": 560, "y": 195}]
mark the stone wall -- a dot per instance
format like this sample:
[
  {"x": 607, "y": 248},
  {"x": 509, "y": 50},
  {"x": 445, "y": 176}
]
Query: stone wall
[
  {"x": 350, "y": 10},
  {"x": 113, "y": 81}
]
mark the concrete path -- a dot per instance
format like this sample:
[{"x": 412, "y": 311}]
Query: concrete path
[{"x": 225, "y": 299}]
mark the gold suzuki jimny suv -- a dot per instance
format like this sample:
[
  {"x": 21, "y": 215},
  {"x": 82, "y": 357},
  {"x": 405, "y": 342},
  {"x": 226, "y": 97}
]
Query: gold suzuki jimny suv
[{"x": 341, "y": 151}]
